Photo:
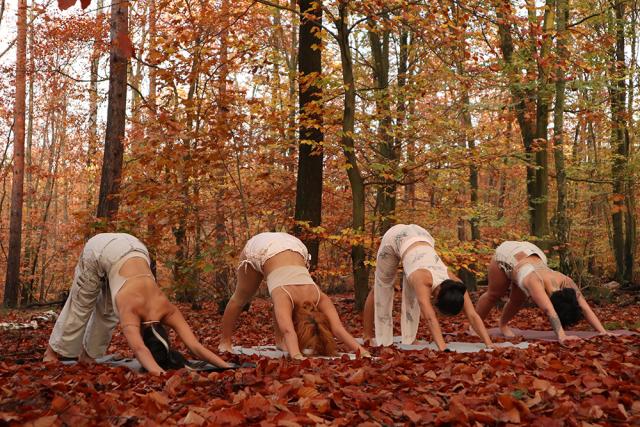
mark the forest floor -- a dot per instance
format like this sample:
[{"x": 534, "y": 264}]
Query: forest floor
[{"x": 595, "y": 382}]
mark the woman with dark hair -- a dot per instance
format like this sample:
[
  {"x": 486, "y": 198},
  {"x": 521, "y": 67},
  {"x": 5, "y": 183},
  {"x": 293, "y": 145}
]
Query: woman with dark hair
[
  {"x": 425, "y": 278},
  {"x": 520, "y": 268},
  {"x": 305, "y": 318},
  {"x": 113, "y": 283}
]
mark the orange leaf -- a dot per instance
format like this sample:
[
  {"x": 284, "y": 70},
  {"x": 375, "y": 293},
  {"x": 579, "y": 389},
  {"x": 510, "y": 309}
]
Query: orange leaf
[{"x": 58, "y": 403}]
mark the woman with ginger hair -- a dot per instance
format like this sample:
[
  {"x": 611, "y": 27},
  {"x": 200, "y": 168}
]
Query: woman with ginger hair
[{"x": 305, "y": 317}]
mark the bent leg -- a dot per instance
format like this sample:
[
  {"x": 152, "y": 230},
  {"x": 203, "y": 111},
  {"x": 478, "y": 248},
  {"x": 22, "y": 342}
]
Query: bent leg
[
  {"x": 367, "y": 317},
  {"x": 516, "y": 299},
  {"x": 68, "y": 332},
  {"x": 100, "y": 328},
  {"x": 497, "y": 287},
  {"x": 247, "y": 285}
]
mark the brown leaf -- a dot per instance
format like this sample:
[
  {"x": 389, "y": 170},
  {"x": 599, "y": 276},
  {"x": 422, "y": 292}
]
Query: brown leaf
[
  {"x": 358, "y": 377},
  {"x": 307, "y": 392},
  {"x": 43, "y": 421},
  {"x": 65, "y": 4},
  {"x": 541, "y": 385},
  {"x": 192, "y": 418},
  {"x": 58, "y": 404},
  {"x": 255, "y": 407},
  {"x": 510, "y": 416},
  {"x": 228, "y": 417},
  {"x": 534, "y": 400},
  {"x": 413, "y": 416},
  {"x": 160, "y": 398},
  {"x": 172, "y": 385}
]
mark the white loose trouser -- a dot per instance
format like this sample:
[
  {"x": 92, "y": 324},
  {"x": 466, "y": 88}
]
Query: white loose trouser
[
  {"x": 88, "y": 318},
  {"x": 393, "y": 250}
]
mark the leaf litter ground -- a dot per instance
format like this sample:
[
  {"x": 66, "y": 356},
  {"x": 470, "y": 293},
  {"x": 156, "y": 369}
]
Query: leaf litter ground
[{"x": 595, "y": 382}]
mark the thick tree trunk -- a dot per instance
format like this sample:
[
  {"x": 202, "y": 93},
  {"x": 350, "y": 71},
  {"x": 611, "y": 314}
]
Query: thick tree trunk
[
  {"x": 561, "y": 220},
  {"x": 12, "y": 278},
  {"x": 109, "y": 199},
  {"x": 310, "y": 154},
  {"x": 360, "y": 271}
]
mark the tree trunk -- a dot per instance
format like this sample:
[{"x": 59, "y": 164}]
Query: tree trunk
[
  {"x": 534, "y": 132},
  {"x": 92, "y": 140},
  {"x": 360, "y": 271},
  {"x": 310, "y": 153},
  {"x": 12, "y": 278},
  {"x": 109, "y": 199},
  {"x": 388, "y": 152},
  {"x": 622, "y": 217},
  {"x": 561, "y": 219}
]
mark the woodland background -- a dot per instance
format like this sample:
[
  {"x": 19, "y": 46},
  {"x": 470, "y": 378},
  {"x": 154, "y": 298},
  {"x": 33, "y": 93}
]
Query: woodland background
[{"x": 195, "y": 124}]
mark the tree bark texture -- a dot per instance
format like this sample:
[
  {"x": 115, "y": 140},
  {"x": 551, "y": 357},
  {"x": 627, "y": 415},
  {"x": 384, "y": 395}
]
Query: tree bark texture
[
  {"x": 109, "y": 199},
  {"x": 310, "y": 152},
  {"x": 360, "y": 271},
  {"x": 12, "y": 278}
]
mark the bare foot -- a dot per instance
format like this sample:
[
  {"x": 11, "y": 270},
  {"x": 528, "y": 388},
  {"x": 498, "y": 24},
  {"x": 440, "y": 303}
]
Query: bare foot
[
  {"x": 507, "y": 332},
  {"x": 85, "y": 358},
  {"x": 225, "y": 347},
  {"x": 50, "y": 355}
]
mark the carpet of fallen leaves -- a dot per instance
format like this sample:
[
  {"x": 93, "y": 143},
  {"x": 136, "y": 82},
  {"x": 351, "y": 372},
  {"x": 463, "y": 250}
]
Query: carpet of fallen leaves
[{"x": 595, "y": 382}]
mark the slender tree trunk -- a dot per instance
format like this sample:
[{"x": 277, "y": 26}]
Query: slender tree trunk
[
  {"x": 109, "y": 199},
  {"x": 30, "y": 194},
  {"x": 12, "y": 278},
  {"x": 92, "y": 145},
  {"x": 310, "y": 152},
  {"x": 534, "y": 132},
  {"x": 622, "y": 217},
  {"x": 387, "y": 150},
  {"x": 561, "y": 220},
  {"x": 360, "y": 271}
]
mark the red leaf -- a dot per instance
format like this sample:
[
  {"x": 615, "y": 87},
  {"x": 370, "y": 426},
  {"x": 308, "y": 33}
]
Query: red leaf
[
  {"x": 85, "y": 3},
  {"x": 65, "y": 4}
]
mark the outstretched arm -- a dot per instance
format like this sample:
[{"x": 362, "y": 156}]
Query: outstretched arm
[
  {"x": 476, "y": 322},
  {"x": 130, "y": 323},
  {"x": 337, "y": 328},
  {"x": 423, "y": 294},
  {"x": 540, "y": 297},
  {"x": 176, "y": 321},
  {"x": 132, "y": 333},
  {"x": 589, "y": 314},
  {"x": 283, "y": 311}
]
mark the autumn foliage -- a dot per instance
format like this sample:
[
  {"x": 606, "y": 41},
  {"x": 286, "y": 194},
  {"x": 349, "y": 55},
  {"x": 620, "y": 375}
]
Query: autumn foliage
[{"x": 595, "y": 382}]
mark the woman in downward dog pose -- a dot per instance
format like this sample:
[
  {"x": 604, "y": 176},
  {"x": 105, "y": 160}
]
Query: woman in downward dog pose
[
  {"x": 520, "y": 268},
  {"x": 425, "y": 278},
  {"x": 113, "y": 283},
  {"x": 305, "y": 318}
]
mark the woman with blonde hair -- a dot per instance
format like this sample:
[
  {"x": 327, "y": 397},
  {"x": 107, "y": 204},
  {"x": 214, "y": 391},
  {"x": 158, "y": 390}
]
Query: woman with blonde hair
[{"x": 305, "y": 317}]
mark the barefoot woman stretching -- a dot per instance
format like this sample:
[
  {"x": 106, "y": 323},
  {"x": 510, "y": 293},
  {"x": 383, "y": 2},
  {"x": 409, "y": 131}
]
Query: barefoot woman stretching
[
  {"x": 520, "y": 268},
  {"x": 305, "y": 318},
  {"x": 113, "y": 283}
]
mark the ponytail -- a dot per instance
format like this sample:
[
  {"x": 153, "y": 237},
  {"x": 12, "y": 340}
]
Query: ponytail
[{"x": 313, "y": 330}]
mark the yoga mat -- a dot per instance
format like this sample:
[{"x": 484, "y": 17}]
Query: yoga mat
[
  {"x": 530, "y": 334},
  {"x": 272, "y": 352},
  {"x": 134, "y": 365},
  {"x": 457, "y": 347}
]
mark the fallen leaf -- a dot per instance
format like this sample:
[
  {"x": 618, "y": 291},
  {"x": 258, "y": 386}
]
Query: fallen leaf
[{"x": 192, "y": 418}]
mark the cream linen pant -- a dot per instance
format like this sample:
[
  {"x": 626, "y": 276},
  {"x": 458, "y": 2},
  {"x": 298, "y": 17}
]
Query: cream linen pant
[
  {"x": 87, "y": 318},
  {"x": 393, "y": 250}
]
